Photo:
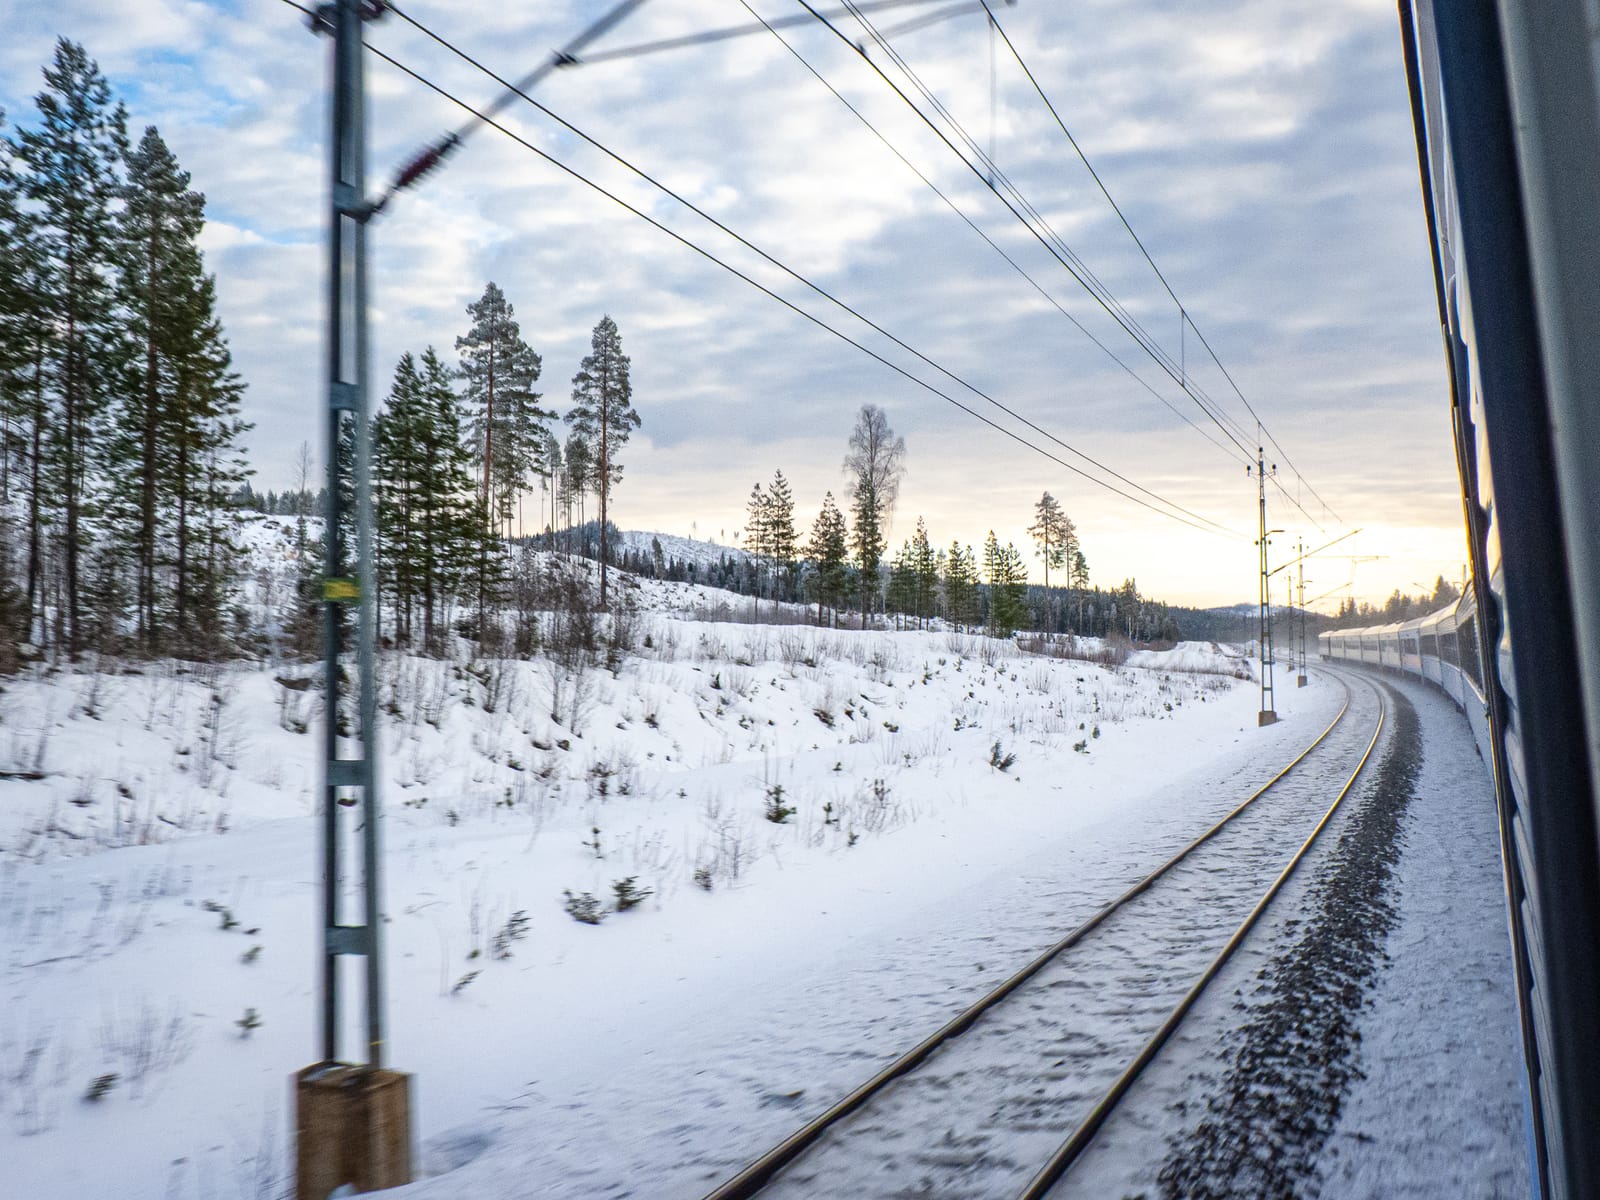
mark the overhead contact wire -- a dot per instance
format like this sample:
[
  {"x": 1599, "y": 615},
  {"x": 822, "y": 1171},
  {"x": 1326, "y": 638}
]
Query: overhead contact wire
[
  {"x": 816, "y": 288},
  {"x": 815, "y": 320},
  {"x": 1137, "y": 241},
  {"x": 1161, "y": 359},
  {"x": 993, "y": 245}
]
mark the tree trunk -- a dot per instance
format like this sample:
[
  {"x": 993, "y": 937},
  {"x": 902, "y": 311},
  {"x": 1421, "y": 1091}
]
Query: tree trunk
[
  {"x": 147, "y": 500},
  {"x": 35, "y": 550},
  {"x": 605, "y": 472}
]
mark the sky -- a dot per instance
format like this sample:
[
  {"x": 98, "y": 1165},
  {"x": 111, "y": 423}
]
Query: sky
[{"x": 1260, "y": 149}]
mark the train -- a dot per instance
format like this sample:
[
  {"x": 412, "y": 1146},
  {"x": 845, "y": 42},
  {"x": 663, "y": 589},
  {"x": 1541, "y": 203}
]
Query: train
[
  {"x": 1441, "y": 648},
  {"x": 1505, "y": 99}
]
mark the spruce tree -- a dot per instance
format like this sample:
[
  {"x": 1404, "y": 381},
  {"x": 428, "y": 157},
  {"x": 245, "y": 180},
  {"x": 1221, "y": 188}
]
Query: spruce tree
[
  {"x": 925, "y": 573},
  {"x": 756, "y": 542},
  {"x": 960, "y": 586},
  {"x": 602, "y": 410},
  {"x": 1007, "y": 578},
  {"x": 782, "y": 544},
  {"x": 902, "y": 593},
  {"x": 71, "y": 179},
  {"x": 205, "y": 472},
  {"x": 427, "y": 515},
  {"x": 396, "y": 432},
  {"x": 829, "y": 549}
]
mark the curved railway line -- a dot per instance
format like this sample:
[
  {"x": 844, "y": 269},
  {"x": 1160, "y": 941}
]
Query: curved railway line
[{"x": 1028, "y": 1073}]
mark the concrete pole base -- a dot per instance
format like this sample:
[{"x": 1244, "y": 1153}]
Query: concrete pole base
[
  {"x": 1266, "y": 717},
  {"x": 352, "y": 1126}
]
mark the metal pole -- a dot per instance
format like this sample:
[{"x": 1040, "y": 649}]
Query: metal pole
[
  {"x": 348, "y": 586},
  {"x": 1268, "y": 713},
  {"x": 352, "y": 1117}
]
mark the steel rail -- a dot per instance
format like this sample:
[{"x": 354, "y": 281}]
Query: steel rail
[
  {"x": 759, "y": 1173},
  {"x": 1061, "y": 1161}
]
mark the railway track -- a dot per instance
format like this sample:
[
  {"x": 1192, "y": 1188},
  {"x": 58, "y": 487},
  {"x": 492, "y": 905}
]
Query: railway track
[{"x": 1026, "y": 1075}]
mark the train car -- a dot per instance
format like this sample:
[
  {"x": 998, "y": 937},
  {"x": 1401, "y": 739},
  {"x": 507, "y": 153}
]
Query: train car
[
  {"x": 1506, "y": 106},
  {"x": 1440, "y": 649}
]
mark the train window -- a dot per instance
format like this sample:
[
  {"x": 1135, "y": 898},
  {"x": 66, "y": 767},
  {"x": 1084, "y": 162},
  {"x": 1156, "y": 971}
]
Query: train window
[{"x": 1467, "y": 635}]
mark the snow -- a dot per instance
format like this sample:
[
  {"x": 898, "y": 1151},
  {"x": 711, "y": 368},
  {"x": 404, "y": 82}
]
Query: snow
[
  {"x": 1433, "y": 1107},
  {"x": 652, "y": 1054},
  {"x": 680, "y": 549},
  {"x": 1439, "y": 1110}
]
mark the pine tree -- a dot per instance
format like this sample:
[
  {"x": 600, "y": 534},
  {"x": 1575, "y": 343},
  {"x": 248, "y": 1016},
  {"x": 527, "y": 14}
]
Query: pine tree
[
  {"x": 21, "y": 331},
  {"x": 425, "y": 509},
  {"x": 602, "y": 410},
  {"x": 505, "y": 419},
  {"x": 829, "y": 548},
  {"x": 206, "y": 468},
  {"x": 874, "y": 467},
  {"x": 71, "y": 164},
  {"x": 756, "y": 540},
  {"x": 162, "y": 299},
  {"x": 1053, "y": 534},
  {"x": 961, "y": 585},
  {"x": 577, "y": 480},
  {"x": 1006, "y": 576},
  {"x": 782, "y": 544},
  {"x": 902, "y": 593},
  {"x": 1079, "y": 581},
  {"x": 924, "y": 564}
]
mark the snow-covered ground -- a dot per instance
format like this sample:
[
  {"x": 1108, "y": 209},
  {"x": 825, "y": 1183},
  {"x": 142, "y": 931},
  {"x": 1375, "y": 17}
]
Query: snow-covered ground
[
  {"x": 158, "y": 870},
  {"x": 159, "y": 879},
  {"x": 1398, "y": 1072}
]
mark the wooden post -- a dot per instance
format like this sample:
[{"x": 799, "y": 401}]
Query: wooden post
[{"x": 352, "y": 1125}]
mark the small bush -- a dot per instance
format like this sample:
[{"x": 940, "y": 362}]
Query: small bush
[
  {"x": 463, "y": 983},
  {"x": 514, "y": 930},
  {"x": 777, "y": 811},
  {"x": 100, "y": 1087},
  {"x": 584, "y": 908},
  {"x": 629, "y": 894},
  {"x": 999, "y": 759},
  {"x": 248, "y": 1023}
]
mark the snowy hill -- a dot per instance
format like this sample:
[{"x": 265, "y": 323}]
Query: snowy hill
[
  {"x": 683, "y": 549},
  {"x": 753, "y": 787}
]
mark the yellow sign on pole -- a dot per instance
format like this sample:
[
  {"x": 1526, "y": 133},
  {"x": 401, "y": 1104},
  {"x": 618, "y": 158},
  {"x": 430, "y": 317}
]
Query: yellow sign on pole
[{"x": 341, "y": 590}]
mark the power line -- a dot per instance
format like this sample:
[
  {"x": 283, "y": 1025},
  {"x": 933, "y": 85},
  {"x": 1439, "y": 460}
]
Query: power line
[
  {"x": 1137, "y": 241},
  {"x": 818, "y": 289},
  {"x": 1062, "y": 255},
  {"x": 1086, "y": 276},
  {"x": 995, "y": 246}
]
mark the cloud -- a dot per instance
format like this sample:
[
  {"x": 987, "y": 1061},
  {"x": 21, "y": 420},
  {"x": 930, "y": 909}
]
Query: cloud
[{"x": 1262, "y": 151}]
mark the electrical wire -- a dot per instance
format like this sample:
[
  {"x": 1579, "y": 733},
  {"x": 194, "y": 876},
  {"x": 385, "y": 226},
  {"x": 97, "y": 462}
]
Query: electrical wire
[
  {"x": 1137, "y": 241},
  {"x": 1067, "y": 259},
  {"x": 816, "y": 288},
  {"x": 993, "y": 245},
  {"x": 480, "y": 115},
  {"x": 1152, "y": 347}
]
